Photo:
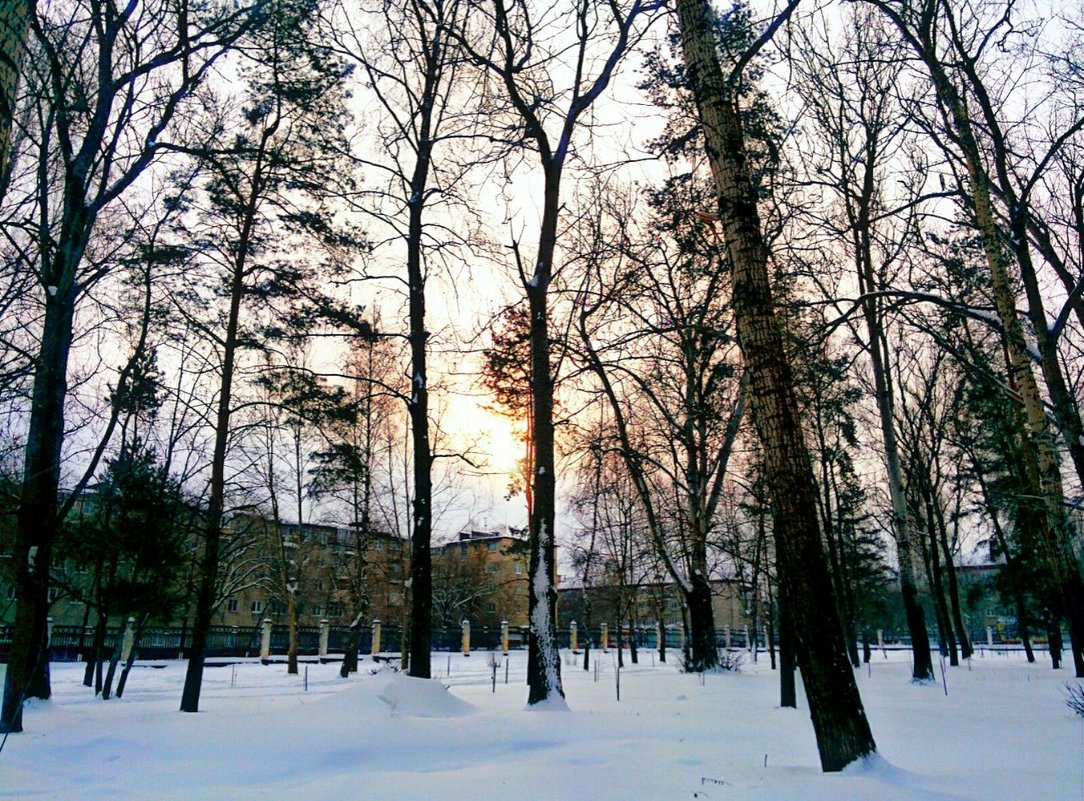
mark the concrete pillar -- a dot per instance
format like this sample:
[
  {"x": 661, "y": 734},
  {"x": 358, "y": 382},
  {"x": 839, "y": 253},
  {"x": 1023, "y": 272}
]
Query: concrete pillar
[
  {"x": 129, "y": 640},
  {"x": 325, "y": 630},
  {"x": 726, "y": 636},
  {"x": 573, "y": 636},
  {"x": 375, "y": 649},
  {"x": 49, "y": 631},
  {"x": 880, "y": 639},
  {"x": 466, "y": 637},
  {"x": 604, "y": 636},
  {"x": 265, "y": 640},
  {"x": 990, "y": 635},
  {"x": 748, "y": 642},
  {"x": 504, "y": 637}
]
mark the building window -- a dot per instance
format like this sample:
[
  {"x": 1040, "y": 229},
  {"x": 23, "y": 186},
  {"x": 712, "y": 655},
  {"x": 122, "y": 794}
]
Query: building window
[
  {"x": 334, "y": 610},
  {"x": 519, "y": 568},
  {"x": 11, "y": 592},
  {"x": 256, "y": 607},
  {"x": 491, "y": 567},
  {"x": 319, "y": 585},
  {"x": 462, "y": 550},
  {"x": 317, "y": 609},
  {"x": 493, "y": 546},
  {"x": 396, "y": 545},
  {"x": 492, "y": 608},
  {"x": 54, "y": 593},
  {"x": 231, "y": 605}
]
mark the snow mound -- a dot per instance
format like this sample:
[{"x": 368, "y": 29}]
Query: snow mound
[{"x": 422, "y": 698}]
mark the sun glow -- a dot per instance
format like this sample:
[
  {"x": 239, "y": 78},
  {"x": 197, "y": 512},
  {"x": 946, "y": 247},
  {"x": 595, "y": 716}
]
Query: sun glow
[{"x": 495, "y": 442}]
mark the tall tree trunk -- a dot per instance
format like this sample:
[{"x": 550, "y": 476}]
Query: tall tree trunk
[
  {"x": 421, "y": 560},
  {"x": 1044, "y": 475},
  {"x": 1053, "y": 639},
  {"x": 136, "y": 638},
  {"x": 953, "y": 587},
  {"x": 212, "y": 533},
  {"x": 829, "y": 499},
  {"x": 291, "y": 632},
  {"x": 36, "y": 527},
  {"x": 788, "y": 692},
  {"x": 15, "y": 16},
  {"x": 843, "y": 733},
  {"x": 350, "y": 654},
  {"x": 94, "y": 658},
  {"x": 944, "y": 623},
  {"x": 877, "y": 348},
  {"x": 1023, "y": 629},
  {"x": 543, "y": 661},
  {"x": 114, "y": 660},
  {"x": 703, "y": 650}
]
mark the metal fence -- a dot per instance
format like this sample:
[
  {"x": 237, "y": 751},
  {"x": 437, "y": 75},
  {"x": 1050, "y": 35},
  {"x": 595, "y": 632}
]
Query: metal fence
[{"x": 72, "y": 643}]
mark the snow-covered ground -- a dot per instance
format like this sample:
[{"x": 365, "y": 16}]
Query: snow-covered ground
[{"x": 1002, "y": 733}]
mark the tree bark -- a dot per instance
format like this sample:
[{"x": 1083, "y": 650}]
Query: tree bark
[
  {"x": 421, "y": 560},
  {"x": 212, "y": 534},
  {"x": 839, "y": 720},
  {"x": 15, "y": 18},
  {"x": 953, "y": 587},
  {"x": 877, "y": 348},
  {"x": 933, "y": 551},
  {"x": 1043, "y": 473},
  {"x": 788, "y": 692},
  {"x": 36, "y": 527}
]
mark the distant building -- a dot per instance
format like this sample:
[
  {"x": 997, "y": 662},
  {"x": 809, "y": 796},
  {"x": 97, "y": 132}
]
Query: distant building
[
  {"x": 653, "y": 602},
  {"x": 481, "y": 576}
]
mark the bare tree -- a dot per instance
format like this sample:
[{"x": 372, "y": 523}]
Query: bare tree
[
  {"x": 265, "y": 195},
  {"x": 15, "y": 20},
  {"x": 843, "y": 733},
  {"x": 951, "y": 46},
  {"x": 110, "y": 81},
  {"x": 528, "y": 59},
  {"x": 411, "y": 62},
  {"x": 657, "y": 334},
  {"x": 851, "y": 101}
]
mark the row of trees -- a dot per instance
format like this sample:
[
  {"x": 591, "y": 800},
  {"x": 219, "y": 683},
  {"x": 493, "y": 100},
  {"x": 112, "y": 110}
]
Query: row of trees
[{"x": 804, "y": 321}]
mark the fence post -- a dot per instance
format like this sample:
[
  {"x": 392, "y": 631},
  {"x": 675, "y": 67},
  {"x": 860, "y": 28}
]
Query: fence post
[
  {"x": 129, "y": 640},
  {"x": 990, "y": 635},
  {"x": 466, "y": 637},
  {"x": 604, "y": 636},
  {"x": 375, "y": 649},
  {"x": 880, "y": 639},
  {"x": 573, "y": 638},
  {"x": 265, "y": 640},
  {"x": 325, "y": 630},
  {"x": 504, "y": 637},
  {"x": 48, "y": 631}
]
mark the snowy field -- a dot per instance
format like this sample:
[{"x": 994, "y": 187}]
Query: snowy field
[{"x": 1002, "y": 733}]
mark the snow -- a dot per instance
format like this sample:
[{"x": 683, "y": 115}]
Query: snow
[
  {"x": 422, "y": 698},
  {"x": 1003, "y": 733}
]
